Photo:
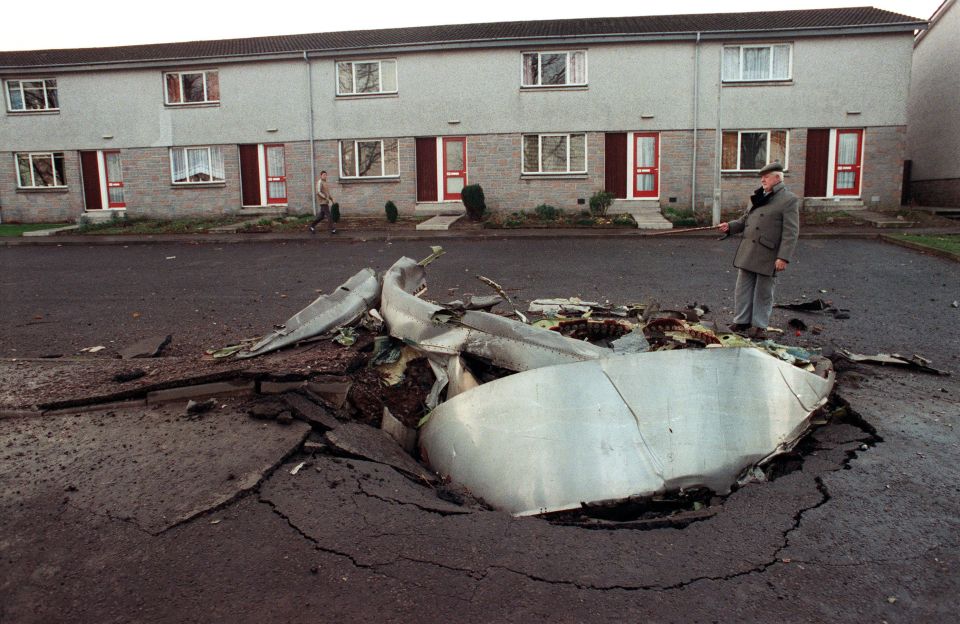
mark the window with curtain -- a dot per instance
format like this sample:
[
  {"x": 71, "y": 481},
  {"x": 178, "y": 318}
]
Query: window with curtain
[
  {"x": 369, "y": 158},
  {"x": 40, "y": 170},
  {"x": 555, "y": 68},
  {"x": 32, "y": 95},
  {"x": 192, "y": 87},
  {"x": 554, "y": 153},
  {"x": 367, "y": 77},
  {"x": 196, "y": 165},
  {"x": 752, "y": 150},
  {"x": 746, "y": 63}
]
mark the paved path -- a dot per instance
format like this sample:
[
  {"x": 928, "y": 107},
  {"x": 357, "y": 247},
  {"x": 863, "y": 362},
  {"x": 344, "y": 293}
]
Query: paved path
[{"x": 146, "y": 516}]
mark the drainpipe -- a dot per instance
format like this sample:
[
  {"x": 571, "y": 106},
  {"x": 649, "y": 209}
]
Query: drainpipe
[
  {"x": 696, "y": 121},
  {"x": 313, "y": 149},
  {"x": 718, "y": 154}
]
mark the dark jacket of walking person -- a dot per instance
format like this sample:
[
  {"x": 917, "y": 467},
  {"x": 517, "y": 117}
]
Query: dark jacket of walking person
[{"x": 770, "y": 228}]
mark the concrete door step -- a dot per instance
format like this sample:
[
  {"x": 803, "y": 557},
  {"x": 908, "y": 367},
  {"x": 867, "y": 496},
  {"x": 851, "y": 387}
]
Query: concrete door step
[
  {"x": 439, "y": 222},
  {"x": 428, "y": 209},
  {"x": 880, "y": 220}
]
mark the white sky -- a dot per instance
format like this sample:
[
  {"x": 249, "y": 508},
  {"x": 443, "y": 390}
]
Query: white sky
[{"x": 96, "y": 23}]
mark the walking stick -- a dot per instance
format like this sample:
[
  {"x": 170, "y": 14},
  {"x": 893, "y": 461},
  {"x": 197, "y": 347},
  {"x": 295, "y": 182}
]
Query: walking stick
[{"x": 683, "y": 231}]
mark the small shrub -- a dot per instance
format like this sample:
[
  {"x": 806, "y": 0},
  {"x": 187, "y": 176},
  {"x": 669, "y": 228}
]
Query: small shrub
[
  {"x": 586, "y": 218},
  {"x": 391, "y": 209},
  {"x": 472, "y": 197},
  {"x": 546, "y": 212},
  {"x": 680, "y": 218},
  {"x": 599, "y": 202},
  {"x": 335, "y": 212},
  {"x": 624, "y": 219},
  {"x": 516, "y": 219}
]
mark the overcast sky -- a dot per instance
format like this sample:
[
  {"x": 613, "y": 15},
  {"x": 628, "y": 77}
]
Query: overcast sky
[{"x": 29, "y": 25}]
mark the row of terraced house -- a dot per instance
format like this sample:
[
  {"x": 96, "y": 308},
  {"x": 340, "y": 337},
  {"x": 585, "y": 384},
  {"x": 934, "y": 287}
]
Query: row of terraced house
[{"x": 662, "y": 111}]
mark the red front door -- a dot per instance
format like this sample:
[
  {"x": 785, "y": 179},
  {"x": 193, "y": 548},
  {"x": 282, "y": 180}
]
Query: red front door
[
  {"x": 454, "y": 166},
  {"x": 846, "y": 179},
  {"x": 114, "y": 174},
  {"x": 276, "y": 174},
  {"x": 646, "y": 164}
]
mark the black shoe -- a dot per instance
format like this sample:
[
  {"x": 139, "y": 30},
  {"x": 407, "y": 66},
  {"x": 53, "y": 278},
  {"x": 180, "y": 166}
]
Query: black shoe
[
  {"x": 757, "y": 333},
  {"x": 333, "y": 231},
  {"x": 739, "y": 327},
  {"x": 312, "y": 229}
]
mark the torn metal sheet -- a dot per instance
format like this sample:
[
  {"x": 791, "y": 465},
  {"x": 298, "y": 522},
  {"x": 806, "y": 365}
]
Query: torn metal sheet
[
  {"x": 628, "y": 426},
  {"x": 438, "y": 331},
  {"x": 343, "y": 306},
  {"x": 893, "y": 359}
]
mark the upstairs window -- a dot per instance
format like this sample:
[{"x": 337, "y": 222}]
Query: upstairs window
[
  {"x": 32, "y": 95},
  {"x": 196, "y": 165},
  {"x": 376, "y": 158},
  {"x": 554, "y": 153},
  {"x": 754, "y": 149},
  {"x": 367, "y": 77},
  {"x": 195, "y": 87},
  {"x": 747, "y": 63},
  {"x": 40, "y": 170},
  {"x": 553, "y": 69}
]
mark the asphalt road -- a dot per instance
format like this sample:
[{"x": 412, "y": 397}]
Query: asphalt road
[{"x": 121, "y": 516}]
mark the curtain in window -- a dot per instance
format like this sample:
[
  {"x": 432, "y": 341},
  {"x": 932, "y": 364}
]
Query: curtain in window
[
  {"x": 276, "y": 189},
  {"x": 531, "y": 153},
  {"x": 847, "y": 155},
  {"x": 16, "y": 97},
  {"x": 756, "y": 63},
  {"x": 173, "y": 88},
  {"x": 578, "y": 67},
  {"x": 213, "y": 86},
  {"x": 578, "y": 152},
  {"x": 781, "y": 62},
  {"x": 731, "y": 63},
  {"x": 178, "y": 164},
  {"x": 198, "y": 165},
  {"x": 730, "y": 145},
  {"x": 216, "y": 164},
  {"x": 531, "y": 69},
  {"x": 646, "y": 157},
  {"x": 388, "y": 76}
]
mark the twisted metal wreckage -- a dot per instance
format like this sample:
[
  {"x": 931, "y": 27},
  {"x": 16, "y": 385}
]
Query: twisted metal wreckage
[{"x": 577, "y": 423}]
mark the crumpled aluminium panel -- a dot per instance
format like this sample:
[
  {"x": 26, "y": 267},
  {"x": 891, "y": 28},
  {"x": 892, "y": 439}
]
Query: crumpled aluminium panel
[
  {"x": 341, "y": 307},
  {"x": 437, "y": 331},
  {"x": 633, "y": 425}
]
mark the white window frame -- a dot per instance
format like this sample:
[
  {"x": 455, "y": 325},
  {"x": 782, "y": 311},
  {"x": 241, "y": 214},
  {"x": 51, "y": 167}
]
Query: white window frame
[
  {"x": 210, "y": 149},
  {"x": 353, "y": 76},
  {"x": 31, "y": 156},
  {"x": 23, "y": 99},
  {"x": 567, "y": 72},
  {"x": 740, "y": 133},
  {"x": 523, "y": 155},
  {"x": 206, "y": 87},
  {"x": 742, "y": 47},
  {"x": 356, "y": 150}
]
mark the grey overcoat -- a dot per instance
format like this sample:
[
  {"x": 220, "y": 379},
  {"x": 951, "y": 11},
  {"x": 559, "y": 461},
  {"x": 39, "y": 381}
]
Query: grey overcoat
[{"x": 770, "y": 231}]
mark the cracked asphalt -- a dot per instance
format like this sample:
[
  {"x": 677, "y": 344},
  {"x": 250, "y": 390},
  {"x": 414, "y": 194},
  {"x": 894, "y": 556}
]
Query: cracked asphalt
[{"x": 143, "y": 515}]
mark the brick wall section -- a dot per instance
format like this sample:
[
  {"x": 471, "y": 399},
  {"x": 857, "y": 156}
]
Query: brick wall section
[
  {"x": 39, "y": 206},
  {"x": 299, "y": 187},
  {"x": 882, "y": 175},
  {"x": 367, "y": 197}
]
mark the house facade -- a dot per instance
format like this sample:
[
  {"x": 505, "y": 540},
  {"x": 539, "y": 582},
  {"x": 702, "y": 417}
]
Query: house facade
[
  {"x": 933, "y": 138},
  {"x": 662, "y": 111}
]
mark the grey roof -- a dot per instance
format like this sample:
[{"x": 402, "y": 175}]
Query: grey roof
[{"x": 496, "y": 33}]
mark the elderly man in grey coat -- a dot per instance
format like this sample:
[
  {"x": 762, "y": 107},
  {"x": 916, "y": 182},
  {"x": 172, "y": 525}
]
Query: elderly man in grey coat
[{"x": 770, "y": 228}]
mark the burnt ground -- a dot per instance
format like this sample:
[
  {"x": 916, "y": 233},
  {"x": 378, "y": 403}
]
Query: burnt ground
[{"x": 140, "y": 512}]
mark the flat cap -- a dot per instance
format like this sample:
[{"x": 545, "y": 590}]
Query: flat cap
[{"x": 774, "y": 166}]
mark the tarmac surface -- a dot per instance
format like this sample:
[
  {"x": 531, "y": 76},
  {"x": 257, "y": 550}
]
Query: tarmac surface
[{"x": 142, "y": 514}]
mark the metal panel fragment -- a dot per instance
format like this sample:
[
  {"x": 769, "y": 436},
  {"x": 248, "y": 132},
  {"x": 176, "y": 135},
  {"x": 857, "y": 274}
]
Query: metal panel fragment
[
  {"x": 341, "y": 307},
  {"x": 633, "y": 425}
]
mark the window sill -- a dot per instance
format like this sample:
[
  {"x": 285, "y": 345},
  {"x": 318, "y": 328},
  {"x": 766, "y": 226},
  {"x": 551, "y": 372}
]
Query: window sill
[
  {"x": 758, "y": 83},
  {"x": 366, "y": 96},
  {"x": 192, "y": 185},
  {"x": 371, "y": 180},
  {"x": 193, "y": 105},
  {"x": 554, "y": 176},
  {"x": 17, "y": 113},
  {"x": 533, "y": 89},
  {"x": 45, "y": 189}
]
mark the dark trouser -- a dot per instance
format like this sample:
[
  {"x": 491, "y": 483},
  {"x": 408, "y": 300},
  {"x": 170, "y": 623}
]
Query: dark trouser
[{"x": 324, "y": 214}]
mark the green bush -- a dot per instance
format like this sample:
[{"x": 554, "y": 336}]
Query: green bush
[
  {"x": 624, "y": 219},
  {"x": 335, "y": 212},
  {"x": 473, "y": 201},
  {"x": 586, "y": 218},
  {"x": 546, "y": 212},
  {"x": 680, "y": 217},
  {"x": 599, "y": 202},
  {"x": 391, "y": 209}
]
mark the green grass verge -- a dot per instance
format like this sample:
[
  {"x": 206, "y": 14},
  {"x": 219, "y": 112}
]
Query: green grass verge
[
  {"x": 156, "y": 226},
  {"x": 949, "y": 243},
  {"x": 17, "y": 229}
]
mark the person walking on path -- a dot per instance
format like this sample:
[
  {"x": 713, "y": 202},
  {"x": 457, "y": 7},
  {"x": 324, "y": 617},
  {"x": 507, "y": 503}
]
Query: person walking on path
[
  {"x": 770, "y": 227},
  {"x": 326, "y": 200}
]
